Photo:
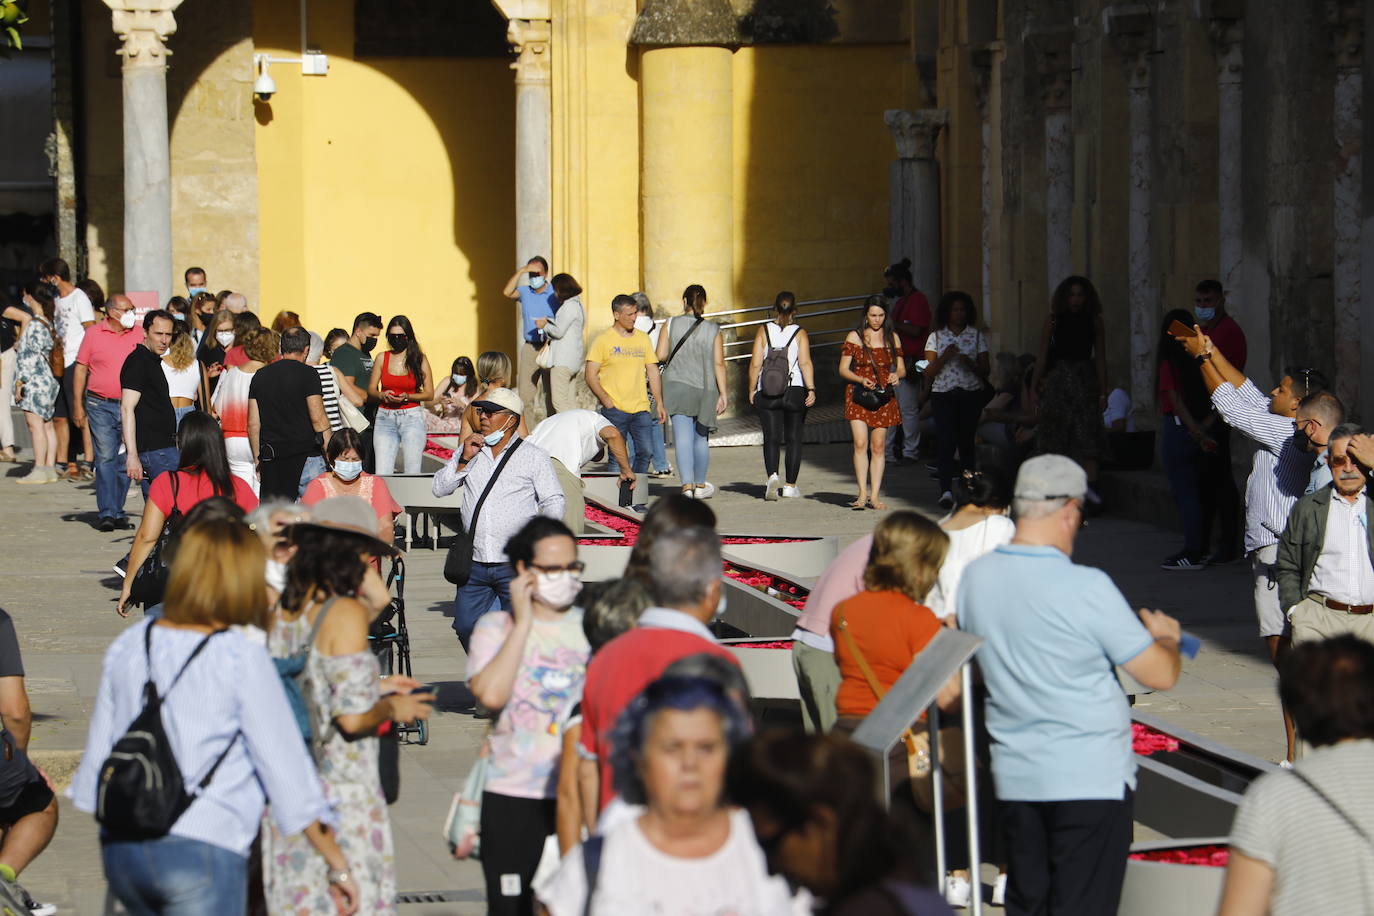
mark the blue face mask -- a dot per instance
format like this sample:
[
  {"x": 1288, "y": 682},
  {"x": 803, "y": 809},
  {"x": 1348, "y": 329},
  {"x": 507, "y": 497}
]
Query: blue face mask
[
  {"x": 459, "y": 380},
  {"x": 536, "y": 282},
  {"x": 194, "y": 290},
  {"x": 348, "y": 470},
  {"x": 494, "y": 436},
  {"x": 1204, "y": 314}
]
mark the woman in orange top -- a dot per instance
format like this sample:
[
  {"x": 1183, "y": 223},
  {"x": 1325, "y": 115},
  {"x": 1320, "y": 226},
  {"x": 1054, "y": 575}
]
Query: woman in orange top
[{"x": 885, "y": 623}]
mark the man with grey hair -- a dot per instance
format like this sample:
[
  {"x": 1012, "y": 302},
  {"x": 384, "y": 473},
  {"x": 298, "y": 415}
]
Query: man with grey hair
[
  {"x": 1324, "y": 570},
  {"x": 1060, "y": 723},
  {"x": 287, "y": 425},
  {"x": 685, "y": 580},
  {"x": 236, "y": 302}
]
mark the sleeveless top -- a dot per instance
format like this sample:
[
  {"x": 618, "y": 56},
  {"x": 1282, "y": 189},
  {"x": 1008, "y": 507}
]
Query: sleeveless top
[
  {"x": 329, "y": 389},
  {"x": 390, "y": 380},
  {"x": 775, "y": 335},
  {"x": 1072, "y": 336},
  {"x": 230, "y": 401},
  {"x": 689, "y": 382}
]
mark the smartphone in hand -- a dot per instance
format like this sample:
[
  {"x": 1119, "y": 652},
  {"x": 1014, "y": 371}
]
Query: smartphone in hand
[
  {"x": 627, "y": 493},
  {"x": 1179, "y": 329}
]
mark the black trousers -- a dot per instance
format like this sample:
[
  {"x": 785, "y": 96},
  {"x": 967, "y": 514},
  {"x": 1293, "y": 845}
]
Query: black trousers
[
  {"x": 1219, "y": 496},
  {"x": 513, "y": 833},
  {"x": 783, "y": 419},
  {"x": 1066, "y": 858},
  {"x": 281, "y": 477},
  {"x": 956, "y": 423}
]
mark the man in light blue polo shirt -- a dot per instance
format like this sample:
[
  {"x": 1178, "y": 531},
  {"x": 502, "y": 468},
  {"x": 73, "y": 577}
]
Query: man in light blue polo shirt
[
  {"x": 537, "y": 300},
  {"x": 1061, "y": 731}
]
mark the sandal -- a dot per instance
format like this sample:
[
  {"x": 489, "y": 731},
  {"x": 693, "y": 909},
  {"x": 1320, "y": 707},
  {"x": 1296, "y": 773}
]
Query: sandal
[
  {"x": 7, "y": 454},
  {"x": 878, "y": 504},
  {"x": 859, "y": 503}
]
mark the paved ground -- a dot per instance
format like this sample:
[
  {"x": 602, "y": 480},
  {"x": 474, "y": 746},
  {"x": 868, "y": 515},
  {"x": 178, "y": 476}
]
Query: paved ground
[{"x": 55, "y": 579}]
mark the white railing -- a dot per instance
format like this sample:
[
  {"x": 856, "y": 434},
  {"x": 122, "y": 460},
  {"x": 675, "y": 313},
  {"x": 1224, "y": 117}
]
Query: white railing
[{"x": 802, "y": 317}]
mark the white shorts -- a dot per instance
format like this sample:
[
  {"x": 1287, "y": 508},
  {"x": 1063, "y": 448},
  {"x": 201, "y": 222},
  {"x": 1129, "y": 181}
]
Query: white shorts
[{"x": 1272, "y": 620}]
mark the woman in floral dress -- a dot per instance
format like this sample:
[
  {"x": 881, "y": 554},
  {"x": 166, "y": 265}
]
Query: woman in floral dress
[
  {"x": 871, "y": 358},
  {"x": 35, "y": 387},
  {"x": 332, "y": 595}
]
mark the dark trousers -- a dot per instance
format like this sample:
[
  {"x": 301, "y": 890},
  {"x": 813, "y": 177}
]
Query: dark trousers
[
  {"x": 1219, "y": 497},
  {"x": 281, "y": 477},
  {"x": 783, "y": 419},
  {"x": 1182, "y": 460},
  {"x": 1065, "y": 858},
  {"x": 956, "y": 421},
  {"x": 513, "y": 833}
]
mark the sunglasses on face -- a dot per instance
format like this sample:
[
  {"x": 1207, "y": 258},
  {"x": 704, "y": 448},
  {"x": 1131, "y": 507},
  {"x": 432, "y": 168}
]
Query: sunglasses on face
[{"x": 485, "y": 412}]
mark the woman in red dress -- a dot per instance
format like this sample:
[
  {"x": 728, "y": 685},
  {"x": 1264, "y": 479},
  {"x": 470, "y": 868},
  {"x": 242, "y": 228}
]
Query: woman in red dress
[{"x": 871, "y": 359}]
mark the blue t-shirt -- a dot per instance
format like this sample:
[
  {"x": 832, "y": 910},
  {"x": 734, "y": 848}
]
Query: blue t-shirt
[
  {"x": 534, "y": 304},
  {"x": 1052, "y": 632}
]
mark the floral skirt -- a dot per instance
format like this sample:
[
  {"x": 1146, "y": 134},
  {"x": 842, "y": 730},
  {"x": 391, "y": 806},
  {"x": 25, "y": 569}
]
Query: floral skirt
[{"x": 1070, "y": 416}]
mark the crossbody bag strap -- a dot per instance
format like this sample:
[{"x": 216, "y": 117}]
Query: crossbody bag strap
[
  {"x": 591, "y": 866},
  {"x": 853, "y": 648},
  {"x": 1364, "y": 835},
  {"x": 319, "y": 619},
  {"x": 500, "y": 466},
  {"x": 664, "y": 365},
  {"x": 872, "y": 361},
  {"x": 148, "y": 651}
]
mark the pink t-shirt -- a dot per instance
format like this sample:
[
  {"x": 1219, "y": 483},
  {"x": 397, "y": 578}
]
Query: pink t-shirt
[
  {"x": 371, "y": 488},
  {"x": 103, "y": 352},
  {"x": 842, "y": 579}
]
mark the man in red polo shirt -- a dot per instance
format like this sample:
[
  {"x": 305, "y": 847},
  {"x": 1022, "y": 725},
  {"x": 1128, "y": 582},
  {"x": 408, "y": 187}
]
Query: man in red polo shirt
[
  {"x": 1218, "y": 493},
  {"x": 97, "y": 390},
  {"x": 685, "y": 569}
]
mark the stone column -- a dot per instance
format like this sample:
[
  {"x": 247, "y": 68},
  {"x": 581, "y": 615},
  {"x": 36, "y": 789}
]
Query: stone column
[
  {"x": 1347, "y": 26},
  {"x": 915, "y": 194},
  {"x": 1054, "y": 58},
  {"x": 982, "y": 77},
  {"x": 144, "y": 26},
  {"x": 1227, "y": 42},
  {"x": 533, "y": 119}
]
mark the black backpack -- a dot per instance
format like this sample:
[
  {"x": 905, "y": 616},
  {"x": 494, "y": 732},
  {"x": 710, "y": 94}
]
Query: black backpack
[
  {"x": 150, "y": 579},
  {"x": 775, "y": 374},
  {"x": 141, "y": 792}
]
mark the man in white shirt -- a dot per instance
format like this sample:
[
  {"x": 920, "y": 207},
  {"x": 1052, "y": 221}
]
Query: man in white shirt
[
  {"x": 572, "y": 438},
  {"x": 1325, "y": 574},
  {"x": 73, "y": 315}
]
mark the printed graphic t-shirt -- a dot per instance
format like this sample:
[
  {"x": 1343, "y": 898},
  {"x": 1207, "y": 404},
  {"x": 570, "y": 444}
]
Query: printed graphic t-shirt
[{"x": 623, "y": 362}]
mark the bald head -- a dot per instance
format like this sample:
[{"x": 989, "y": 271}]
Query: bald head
[
  {"x": 116, "y": 307},
  {"x": 236, "y": 302}
]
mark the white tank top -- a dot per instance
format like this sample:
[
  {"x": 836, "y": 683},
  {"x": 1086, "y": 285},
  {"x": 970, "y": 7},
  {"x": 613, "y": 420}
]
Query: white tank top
[{"x": 776, "y": 335}]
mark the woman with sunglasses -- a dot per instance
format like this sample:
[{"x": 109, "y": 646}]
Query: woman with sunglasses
[{"x": 525, "y": 667}]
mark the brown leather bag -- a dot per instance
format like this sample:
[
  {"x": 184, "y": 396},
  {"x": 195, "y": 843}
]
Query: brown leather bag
[
  {"x": 57, "y": 360},
  {"x": 953, "y": 766}
]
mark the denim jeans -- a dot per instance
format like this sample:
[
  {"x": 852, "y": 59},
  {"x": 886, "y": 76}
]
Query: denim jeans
[
  {"x": 638, "y": 431},
  {"x": 403, "y": 429},
  {"x": 174, "y": 876},
  {"x": 659, "y": 459},
  {"x": 488, "y": 587},
  {"x": 156, "y": 462},
  {"x": 111, "y": 478},
  {"x": 1182, "y": 459},
  {"x": 314, "y": 467},
  {"x": 181, "y": 413},
  {"x": 692, "y": 446}
]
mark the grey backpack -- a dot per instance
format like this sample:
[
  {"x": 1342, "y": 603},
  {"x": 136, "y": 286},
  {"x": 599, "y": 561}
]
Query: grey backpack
[{"x": 776, "y": 372}]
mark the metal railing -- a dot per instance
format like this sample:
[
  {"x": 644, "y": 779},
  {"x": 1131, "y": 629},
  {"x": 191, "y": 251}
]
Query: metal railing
[{"x": 802, "y": 317}]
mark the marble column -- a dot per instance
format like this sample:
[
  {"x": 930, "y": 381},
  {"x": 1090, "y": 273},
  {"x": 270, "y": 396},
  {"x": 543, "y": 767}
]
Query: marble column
[
  {"x": 982, "y": 77},
  {"x": 1347, "y": 26},
  {"x": 533, "y": 120},
  {"x": 1227, "y": 42},
  {"x": 1144, "y": 293},
  {"x": 914, "y": 204},
  {"x": 1055, "y": 62},
  {"x": 144, "y": 27}
]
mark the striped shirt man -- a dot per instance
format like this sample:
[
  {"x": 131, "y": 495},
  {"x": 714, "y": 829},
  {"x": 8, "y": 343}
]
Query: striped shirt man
[{"x": 329, "y": 391}]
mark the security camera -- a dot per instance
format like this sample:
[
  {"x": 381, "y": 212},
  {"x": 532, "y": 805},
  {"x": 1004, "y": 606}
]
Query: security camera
[{"x": 264, "y": 87}]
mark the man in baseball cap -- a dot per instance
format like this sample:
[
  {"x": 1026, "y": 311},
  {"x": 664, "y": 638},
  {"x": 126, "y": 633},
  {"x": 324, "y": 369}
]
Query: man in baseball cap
[{"x": 1052, "y": 633}]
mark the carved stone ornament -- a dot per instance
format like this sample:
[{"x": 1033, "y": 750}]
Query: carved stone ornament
[
  {"x": 530, "y": 39},
  {"x": 1228, "y": 42},
  {"x": 1346, "y": 21},
  {"x": 1053, "y": 50},
  {"x": 144, "y": 27},
  {"x": 915, "y": 132}
]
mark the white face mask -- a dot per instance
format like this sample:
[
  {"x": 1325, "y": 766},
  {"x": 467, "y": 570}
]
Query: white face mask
[
  {"x": 348, "y": 470},
  {"x": 459, "y": 380},
  {"x": 720, "y": 605},
  {"x": 128, "y": 319},
  {"x": 225, "y": 338},
  {"x": 558, "y": 590},
  {"x": 644, "y": 323},
  {"x": 276, "y": 575}
]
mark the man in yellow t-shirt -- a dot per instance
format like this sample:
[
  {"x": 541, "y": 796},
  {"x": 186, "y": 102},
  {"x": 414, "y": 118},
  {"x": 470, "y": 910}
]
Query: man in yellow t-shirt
[{"x": 618, "y": 367}]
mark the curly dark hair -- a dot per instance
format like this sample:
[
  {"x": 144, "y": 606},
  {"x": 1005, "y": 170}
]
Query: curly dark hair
[{"x": 326, "y": 562}]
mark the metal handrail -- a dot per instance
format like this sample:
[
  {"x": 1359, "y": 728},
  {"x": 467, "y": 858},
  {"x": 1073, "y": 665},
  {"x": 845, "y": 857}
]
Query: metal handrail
[
  {"x": 769, "y": 308},
  {"x": 810, "y": 333}
]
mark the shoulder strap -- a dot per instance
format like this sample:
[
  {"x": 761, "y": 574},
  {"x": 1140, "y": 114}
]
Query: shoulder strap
[
  {"x": 148, "y": 651},
  {"x": 176, "y": 488},
  {"x": 319, "y": 619},
  {"x": 663, "y": 365},
  {"x": 1364, "y": 835},
  {"x": 591, "y": 864},
  {"x": 853, "y": 647},
  {"x": 795, "y": 331},
  {"x": 500, "y": 466}
]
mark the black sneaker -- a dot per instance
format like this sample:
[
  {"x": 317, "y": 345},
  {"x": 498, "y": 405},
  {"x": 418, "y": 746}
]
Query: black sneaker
[
  {"x": 122, "y": 568},
  {"x": 123, "y": 524},
  {"x": 105, "y": 524},
  {"x": 1183, "y": 562}
]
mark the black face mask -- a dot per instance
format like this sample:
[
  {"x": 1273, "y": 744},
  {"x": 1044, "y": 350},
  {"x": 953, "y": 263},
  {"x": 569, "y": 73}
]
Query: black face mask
[
  {"x": 397, "y": 341},
  {"x": 890, "y": 292},
  {"x": 1301, "y": 439},
  {"x": 369, "y": 344}
]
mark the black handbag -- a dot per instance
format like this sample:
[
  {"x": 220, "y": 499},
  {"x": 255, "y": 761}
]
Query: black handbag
[
  {"x": 871, "y": 398},
  {"x": 150, "y": 579},
  {"x": 458, "y": 563}
]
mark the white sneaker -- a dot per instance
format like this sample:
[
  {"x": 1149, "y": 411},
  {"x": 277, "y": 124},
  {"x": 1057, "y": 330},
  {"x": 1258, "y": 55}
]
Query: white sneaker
[
  {"x": 999, "y": 891},
  {"x": 705, "y": 490},
  {"x": 690, "y": 493},
  {"x": 790, "y": 492},
  {"x": 957, "y": 892},
  {"x": 1286, "y": 764},
  {"x": 770, "y": 488}
]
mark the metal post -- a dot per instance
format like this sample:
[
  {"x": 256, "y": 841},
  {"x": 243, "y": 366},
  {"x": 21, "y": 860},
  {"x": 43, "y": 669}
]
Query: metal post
[
  {"x": 937, "y": 784},
  {"x": 971, "y": 793}
]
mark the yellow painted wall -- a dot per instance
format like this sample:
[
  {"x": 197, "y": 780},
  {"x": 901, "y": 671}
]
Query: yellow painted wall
[{"x": 386, "y": 186}]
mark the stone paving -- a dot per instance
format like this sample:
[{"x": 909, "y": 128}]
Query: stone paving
[{"x": 57, "y": 583}]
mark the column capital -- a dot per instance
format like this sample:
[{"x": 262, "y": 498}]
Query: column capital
[
  {"x": 531, "y": 38},
  {"x": 980, "y": 62},
  {"x": 915, "y": 131},
  {"x": 1345, "y": 19},
  {"x": 1053, "y": 52},
  {"x": 1132, "y": 29},
  {"x": 1228, "y": 39},
  {"x": 144, "y": 27}
]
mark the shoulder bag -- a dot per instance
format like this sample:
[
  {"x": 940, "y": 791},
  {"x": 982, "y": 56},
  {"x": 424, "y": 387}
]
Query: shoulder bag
[
  {"x": 57, "y": 361},
  {"x": 291, "y": 670},
  {"x": 150, "y": 579},
  {"x": 463, "y": 828},
  {"x": 952, "y": 763},
  {"x": 458, "y": 563},
  {"x": 871, "y": 398},
  {"x": 663, "y": 366}
]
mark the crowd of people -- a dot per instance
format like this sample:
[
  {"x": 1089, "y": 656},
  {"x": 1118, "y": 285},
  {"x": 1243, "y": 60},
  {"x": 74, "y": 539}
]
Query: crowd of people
[{"x": 623, "y": 770}]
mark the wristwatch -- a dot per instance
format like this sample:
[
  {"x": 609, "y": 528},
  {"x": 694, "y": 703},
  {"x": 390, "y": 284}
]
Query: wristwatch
[{"x": 339, "y": 877}]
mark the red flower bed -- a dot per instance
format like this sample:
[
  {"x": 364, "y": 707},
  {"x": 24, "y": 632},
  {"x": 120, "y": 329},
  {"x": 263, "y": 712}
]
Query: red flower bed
[
  {"x": 775, "y": 644},
  {"x": 1147, "y": 741},
  {"x": 1213, "y": 856}
]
